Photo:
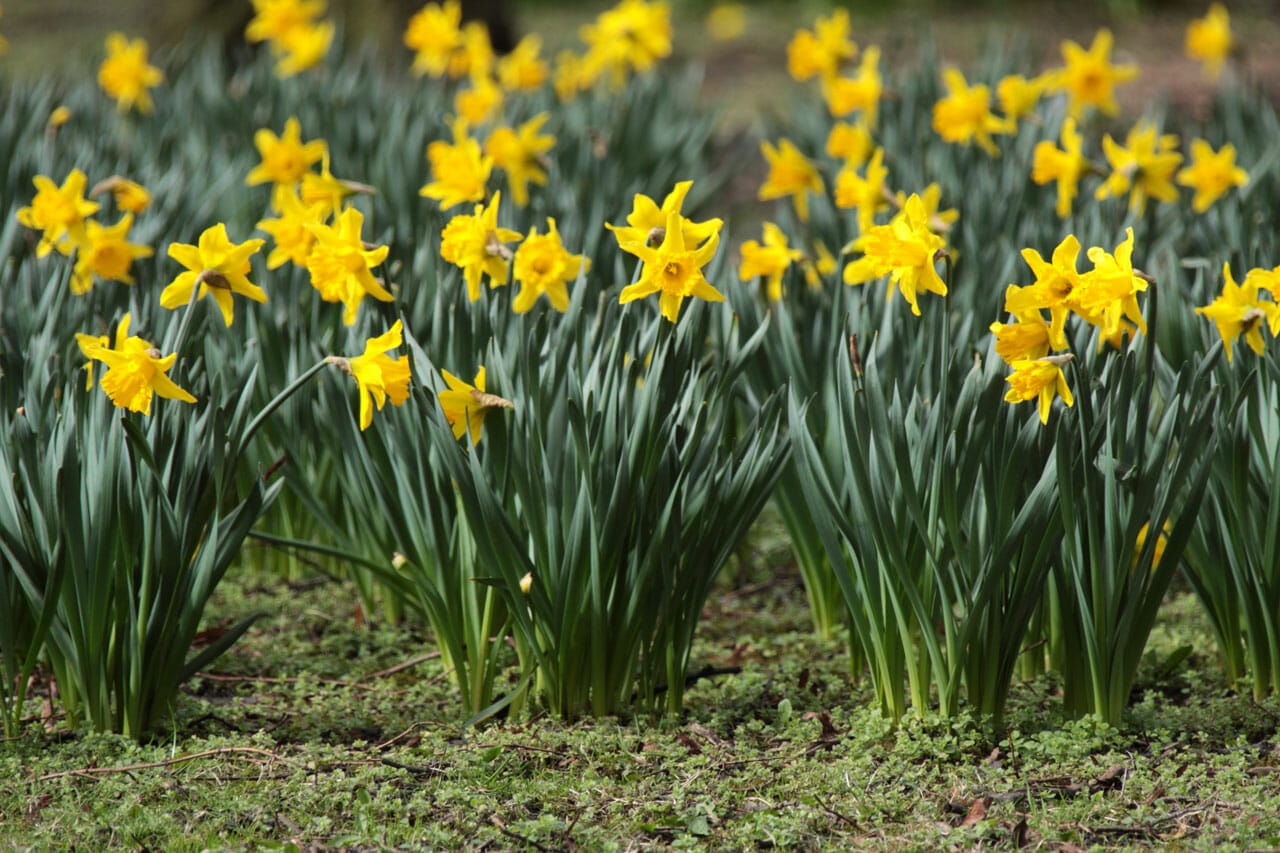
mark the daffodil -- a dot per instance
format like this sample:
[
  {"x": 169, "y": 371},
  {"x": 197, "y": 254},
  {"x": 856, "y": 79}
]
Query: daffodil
[
  {"x": 965, "y": 116},
  {"x": 459, "y": 171},
  {"x": 340, "y": 263},
  {"x": 274, "y": 20},
  {"x": 519, "y": 153},
  {"x": 940, "y": 219},
  {"x": 631, "y": 36},
  {"x": 130, "y": 196},
  {"x": 865, "y": 192},
  {"x": 477, "y": 245},
  {"x": 1065, "y": 165},
  {"x": 1239, "y": 310},
  {"x": 1089, "y": 79},
  {"x": 304, "y": 47},
  {"x": 673, "y": 270},
  {"x": 543, "y": 266},
  {"x": 125, "y": 74},
  {"x": 466, "y": 405},
  {"x": 292, "y": 237},
  {"x": 106, "y": 254},
  {"x": 851, "y": 143},
  {"x": 60, "y": 115},
  {"x": 58, "y": 213},
  {"x": 818, "y": 265},
  {"x": 1211, "y": 173},
  {"x": 768, "y": 260},
  {"x": 1209, "y": 40},
  {"x": 1025, "y": 339},
  {"x": 647, "y": 222},
  {"x": 1039, "y": 379},
  {"x": 790, "y": 174},
  {"x": 524, "y": 69},
  {"x": 378, "y": 376},
  {"x": 570, "y": 76},
  {"x": 820, "y": 51},
  {"x": 1143, "y": 167},
  {"x": 434, "y": 34},
  {"x": 1055, "y": 282},
  {"x": 727, "y": 21},
  {"x": 478, "y": 101},
  {"x": 135, "y": 370},
  {"x": 860, "y": 92},
  {"x": 285, "y": 158},
  {"x": 325, "y": 191},
  {"x": 1109, "y": 292},
  {"x": 1018, "y": 96},
  {"x": 905, "y": 250},
  {"x": 218, "y": 266}
]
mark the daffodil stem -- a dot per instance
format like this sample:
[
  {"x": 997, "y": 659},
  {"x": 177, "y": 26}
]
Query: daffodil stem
[{"x": 276, "y": 402}]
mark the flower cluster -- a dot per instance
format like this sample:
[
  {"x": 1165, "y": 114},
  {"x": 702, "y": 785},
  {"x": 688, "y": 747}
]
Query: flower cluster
[{"x": 298, "y": 36}]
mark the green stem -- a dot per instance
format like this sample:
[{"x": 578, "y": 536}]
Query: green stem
[{"x": 275, "y": 403}]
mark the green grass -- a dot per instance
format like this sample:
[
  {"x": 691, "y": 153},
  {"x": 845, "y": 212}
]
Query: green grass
[{"x": 303, "y": 738}]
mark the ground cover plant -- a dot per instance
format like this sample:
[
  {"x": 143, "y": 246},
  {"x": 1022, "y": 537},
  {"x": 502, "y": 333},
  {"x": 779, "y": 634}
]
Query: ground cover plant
[{"x": 468, "y": 339}]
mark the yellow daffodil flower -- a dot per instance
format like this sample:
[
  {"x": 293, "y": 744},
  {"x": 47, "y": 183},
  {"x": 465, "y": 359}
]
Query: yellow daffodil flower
[
  {"x": 866, "y": 193},
  {"x": 524, "y": 69},
  {"x": 1238, "y": 310},
  {"x": 292, "y": 237},
  {"x": 727, "y": 21},
  {"x": 931, "y": 196},
  {"x": 378, "y": 376},
  {"x": 819, "y": 52},
  {"x": 861, "y": 92},
  {"x": 630, "y": 37},
  {"x": 790, "y": 173},
  {"x": 106, "y": 254},
  {"x": 58, "y": 213},
  {"x": 851, "y": 143},
  {"x": 340, "y": 263},
  {"x": 647, "y": 222},
  {"x": 285, "y": 158},
  {"x": 768, "y": 260},
  {"x": 1026, "y": 339},
  {"x": 466, "y": 405},
  {"x": 61, "y": 115},
  {"x": 1109, "y": 292},
  {"x": 1018, "y": 96},
  {"x": 135, "y": 370},
  {"x": 476, "y": 244},
  {"x": 303, "y": 47},
  {"x": 1209, "y": 40},
  {"x": 1158, "y": 549},
  {"x": 1039, "y": 379},
  {"x": 1089, "y": 79},
  {"x": 1055, "y": 282},
  {"x": 458, "y": 169},
  {"x": 905, "y": 250},
  {"x": 434, "y": 34},
  {"x": 129, "y": 196},
  {"x": 1065, "y": 165},
  {"x": 542, "y": 265},
  {"x": 274, "y": 20},
  {"x": 125, "y": 74},
  {"x": 1268, "y": 280},
  {"x": 325, "y": 191},
  {"x": 518, "y": 152},
  {"x": 1143, "y": 167},
  {"x": 218, "y": 266},
  {"x": 477, "y": 102},
  {"x": 817, "y": 266},
  {"x": 1211, "y": 173},
  {"x": 965, "y": 116},
  {"x": 673, "y": 270},
  {"x": 570, "y": 76}
]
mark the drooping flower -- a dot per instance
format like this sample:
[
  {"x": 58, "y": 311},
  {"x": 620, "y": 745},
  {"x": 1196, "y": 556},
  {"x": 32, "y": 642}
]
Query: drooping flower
[
  {"x": 768, "y": 260},
  {"x": 292, "y": 237},
  {"x": 326, "y": 192},
  {"x": 544, "y": 266},
  {"x": 790, "y": 173},
  {"x": 866, "y": 193},
  {"x": 905, "y": 250},
  {"x": 1238, "y": 310},
  {"x": 125, "y": 74},
  {"x": 647, "y": 222},
  {"x": 1039, "y": 379},
  {"x": 340, "y": 263},
  {"x": 673, "y": 270},
  {"x": 1209, "y": 40},
  {"x": 106, "y": 254},
  {"x": 631, "y": 36},
  {"x": 130, "y": 196},
  {"x": 458, "y": 169},
  {"x": 285, "y": 158},
  {"x": 1211, "y": 173},
  {"x": 466, "y": 405},
  {"x": 1143, "y": 167},
  {"x": 1065, "y": 165},
  {"x": 965, "y": 116},
  {"x": 524, "y": 69},
  {"x": 1025, "y": 339},
  {"x": 58, "y": 213},
  {"x": 476, "y": 244},
  {"x": 1055, "y": 282},
  {"x": 218, "y": 266},
  {"x": 819, "y": 52},
  {"x": 378, "y": 376},
  {"x": 518, "y": 152},
  {"x": 860, "y": 92},
  {"x": 135, "y": 369},
  {"x": 1089, "y": 79}
]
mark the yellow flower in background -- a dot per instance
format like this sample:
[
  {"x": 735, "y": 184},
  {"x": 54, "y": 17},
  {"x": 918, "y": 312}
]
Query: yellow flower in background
[
  {"x": 905, "y": 250},
  {"x": 106, "y": 254},
  {"x": 1040, "y": 380},
  {"x": 466, "y": 405},
  {"x": 519, "y": 153},
  {"x": 125, "y": 74},
  {"x": 325, "y": 191},
  {"x": 135, "y": 370},
  {"x": 1055, "y": 282},
  {"x": 866, "y": 192},
  {"x": 647, "y": 222},
  {"x": 292, "y": 237},
  {"x": 1089, "y": 79},
  {"x": 340, "y": 263},
  {"x": 820, "y": 51},
  {"x": 477, "y": 245},
  {"x": 303, "y": 47},
  {"x": 1018, "y": 96},
  {"x": 1268, "y": 280},
  {"x": 1065, "y": 165},
  {"x": 673, "y": 270},
  {"x": 632, "y": 36},
  {"x": 860, "y": 92},
  {"x": 61, "y": 115},
  {"x": 851, "y": 143},
  {"x": 458, "y": 169},
  {"x": 474, "y": 58},
  {"x": 544, "y": 266},
  {"x": 379, "y": 377},
  {"x": 524, "y": 69},
  {"x": 965, "y": 116},
  {"x": 790, "y": 174},
  {"x": 129, "y": 196},
  {"x": 1238, "y": 310},
  {"x": 931, "y": 197},
  {"x": 274, "y": 20},
  {"x": 768, "y": 260},
  {"x": 477, "y": 102},
  {"x": 1211, "y": 173},
  {"x": 218, "y": 266},
  {"x": 1209, "y": 40},
  {"x": 1158, "y": 549},
  {"x": 1026, "y": 339},
  {"x": 434, "y": 34},
  {"x": 727, "y": 21},
  {"x": 1109, "y": 292},
  {"x": 570, "y": 75},
  {"x": 1142, "y": 167},
  {"x": 285, "y": 158},
  {"x": 59, "y": 213},
  {"x": 819, "y": 265}
]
